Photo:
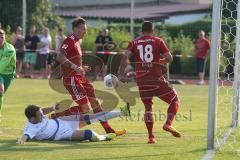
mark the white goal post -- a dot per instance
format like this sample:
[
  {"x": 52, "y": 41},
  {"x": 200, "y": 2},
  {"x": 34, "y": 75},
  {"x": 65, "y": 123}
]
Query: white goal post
[
  {"x": 235, "y": 120},
  {"x": 216, "y": 80}
]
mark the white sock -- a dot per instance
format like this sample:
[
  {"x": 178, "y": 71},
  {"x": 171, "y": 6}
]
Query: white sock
[
  {"x": 105, "y": 116},
  {"x": 96, "y": 137},
  {"x": 101, "y": 116}
]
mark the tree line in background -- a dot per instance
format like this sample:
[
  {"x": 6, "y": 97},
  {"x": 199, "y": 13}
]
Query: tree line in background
[
  {"x": 178, "y": 37},
  {"x": 39, "y": 12}
]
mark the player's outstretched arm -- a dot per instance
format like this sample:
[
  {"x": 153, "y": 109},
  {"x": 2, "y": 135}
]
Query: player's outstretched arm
[
  {"x": 123, "y": 65},
  {"x": 166, "y": 58},
  {"x": 48, "y": 110},
  {"x": 169, "y": 57},
  {"x": 22, "y": 140},
  {"x": 62, "y": 59}
]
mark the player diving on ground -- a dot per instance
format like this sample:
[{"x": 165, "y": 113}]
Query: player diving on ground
[{"x": 40, "y": 127}]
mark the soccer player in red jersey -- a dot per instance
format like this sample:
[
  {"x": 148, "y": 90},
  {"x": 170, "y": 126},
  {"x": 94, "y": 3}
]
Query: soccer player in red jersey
[
  {"x": 150, "y": 53},
  {"x": 73, "y": 72}
]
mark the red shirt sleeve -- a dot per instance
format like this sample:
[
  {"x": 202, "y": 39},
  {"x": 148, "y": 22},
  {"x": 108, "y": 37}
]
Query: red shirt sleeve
[
  {"x": 67, "y": 46},
  {"x": 163, "y": 47},
  {"x": 208, "y": 45}
]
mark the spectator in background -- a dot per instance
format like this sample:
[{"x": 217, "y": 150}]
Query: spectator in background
[
  {"x": 0, "y": 25},
  {"x": 44, "y": 52},
  {"x": 59, "y": 40},
  {"x": 18, "y": 43},
  {"x": 60, "y": 37},
  {"x": 202, "y": 47},
  {"x": 103, "y": 43},
  {"x": 30, "y": 56}
]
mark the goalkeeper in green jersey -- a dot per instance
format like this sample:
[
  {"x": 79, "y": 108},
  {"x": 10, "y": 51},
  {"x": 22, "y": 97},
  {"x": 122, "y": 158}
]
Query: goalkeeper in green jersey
[{"x": 7, "y": 65}]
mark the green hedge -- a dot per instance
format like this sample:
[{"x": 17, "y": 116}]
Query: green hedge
[
  {"x": 179, "y": 39},
  {"x": 188, "y": 29}
]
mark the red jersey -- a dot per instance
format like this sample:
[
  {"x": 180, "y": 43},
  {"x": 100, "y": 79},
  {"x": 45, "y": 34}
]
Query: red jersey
[
  {"x": 73, "y": 53},
  {"x": 201, "y": 47},
  {"x": 147, "y": 51}
]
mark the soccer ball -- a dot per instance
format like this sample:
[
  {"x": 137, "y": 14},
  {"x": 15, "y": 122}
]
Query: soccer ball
[{"x": 110, "y": 81}]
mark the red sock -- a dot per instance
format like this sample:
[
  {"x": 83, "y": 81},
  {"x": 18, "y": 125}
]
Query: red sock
[
  {"x": 172, "y": 111},
  {"x": 173, "y": 102},
  {"x": 106, "y": 126},
  {"x": 148, "y": 118}
]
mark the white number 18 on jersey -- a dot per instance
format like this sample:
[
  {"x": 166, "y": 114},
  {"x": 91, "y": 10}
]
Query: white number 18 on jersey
[{"x": 146, "y": 53}]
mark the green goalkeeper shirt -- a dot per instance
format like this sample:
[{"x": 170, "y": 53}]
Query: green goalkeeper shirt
[{"x": 7, "y": 59}]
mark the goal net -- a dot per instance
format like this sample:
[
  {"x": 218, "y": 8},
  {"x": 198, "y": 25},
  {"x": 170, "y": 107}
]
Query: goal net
[{"x": 223, "y": 117}]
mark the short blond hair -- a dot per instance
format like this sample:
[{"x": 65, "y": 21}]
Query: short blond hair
[
  {"x": 78, "y": 21},
  {"x": 2, "y": 31}
]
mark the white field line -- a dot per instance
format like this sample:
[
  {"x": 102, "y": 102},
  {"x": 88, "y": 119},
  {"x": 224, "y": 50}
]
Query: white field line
[{"x": 210, "y": 153}]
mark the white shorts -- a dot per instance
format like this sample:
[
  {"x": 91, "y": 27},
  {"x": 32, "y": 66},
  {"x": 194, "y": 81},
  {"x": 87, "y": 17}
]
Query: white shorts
[{"x": 66, "y": 129}]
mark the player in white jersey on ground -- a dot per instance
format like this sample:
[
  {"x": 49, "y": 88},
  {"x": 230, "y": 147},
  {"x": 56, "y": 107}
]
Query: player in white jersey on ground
[{"x": 40, "y": 127}]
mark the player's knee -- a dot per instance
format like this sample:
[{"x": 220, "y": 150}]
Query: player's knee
[
  {"x": 171, "y": 98},
  {"x": 91, "y": 135},
  {"x": 147, "y": 102},
  {"x": 88, "y": 134},
  {"x": 85, "y": 109},
  {"x": 97, "y": 109},
  {"x": 82, "y": 101},
  {"x": 175, "y": 100},
  {"x": 174, "y": 105},
  {"x": 94, "y": 102}
]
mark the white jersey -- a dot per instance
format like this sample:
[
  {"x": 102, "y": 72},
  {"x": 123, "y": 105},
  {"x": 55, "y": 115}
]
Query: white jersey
[
  {"x": 51, "y": 129},
  {"x": 45, "y": 41},
  {"x": 43, "y": 130},
  {"x": 59, "y": 42}
]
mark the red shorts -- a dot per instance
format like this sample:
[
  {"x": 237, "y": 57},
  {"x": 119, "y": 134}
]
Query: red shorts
[
  {"x": 160, "y": 88},
  {"x": 79, "y": 88}
]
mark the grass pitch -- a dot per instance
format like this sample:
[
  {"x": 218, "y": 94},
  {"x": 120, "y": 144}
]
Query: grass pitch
[{"x": 191, "y": 121}]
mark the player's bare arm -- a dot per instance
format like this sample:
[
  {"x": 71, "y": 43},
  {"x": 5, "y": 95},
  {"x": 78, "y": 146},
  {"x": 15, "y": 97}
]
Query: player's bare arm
[
  {"x": 208, "y": 54},
  {"x": 86, "y": 68},
  {"x": 39, "y": 45},
  {"x": 48, "y": 110},
  {"x": 62, "y": 59},
  {"x": 166, "y": 58},
  {"x": 123, "y": 65},
  {"x": 22, "y": 140}
]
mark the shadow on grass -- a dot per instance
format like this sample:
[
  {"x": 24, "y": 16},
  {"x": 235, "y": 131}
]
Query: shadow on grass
[
  {"x": 150, "y": 156},
  {"x": 41, "y": 146},
  {"x": 10, "y": 147},
  {"x": 129, "y": 157}
]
